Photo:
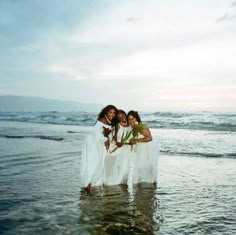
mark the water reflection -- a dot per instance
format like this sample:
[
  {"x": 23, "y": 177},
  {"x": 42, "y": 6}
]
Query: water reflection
[{"x": 120, "y": 210}]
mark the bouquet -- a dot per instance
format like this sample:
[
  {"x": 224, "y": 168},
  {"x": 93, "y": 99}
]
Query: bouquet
[
  {"x": 126, "y": 137},
  {"x": 131, "y": 136},
  {"x": 138, "y": 128},
  {"x": 106, "y": 131}
]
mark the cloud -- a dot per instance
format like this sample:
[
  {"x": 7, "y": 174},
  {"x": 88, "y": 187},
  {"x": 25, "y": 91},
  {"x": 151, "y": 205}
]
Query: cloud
[
  {"x": 65, "y": 71},
  {"x": 233, "y": 4},
  {"x": 139, "y": 49},
  {"x": 132, "y": 19},
  {"x": 227, "y": 17},
  {"x": 230, "y": 14},
  {"x": 194, "y": 61}
]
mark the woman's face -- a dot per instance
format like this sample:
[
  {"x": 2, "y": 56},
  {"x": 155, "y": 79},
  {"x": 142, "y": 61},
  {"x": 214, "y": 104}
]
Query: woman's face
[
  {"x": 111, "y": 113},
  {"x": 121, "y": 118},
  {"x": 132, "y": 120}
]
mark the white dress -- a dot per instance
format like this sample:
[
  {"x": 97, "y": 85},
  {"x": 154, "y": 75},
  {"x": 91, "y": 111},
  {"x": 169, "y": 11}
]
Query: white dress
[
  {"x": 146, "y": 161},
  {"x": 118, "y": 163},
  {"x": 93, "y": 155}
]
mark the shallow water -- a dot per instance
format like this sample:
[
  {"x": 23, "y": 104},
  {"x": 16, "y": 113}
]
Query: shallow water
[{"x": 40, "y": 189}]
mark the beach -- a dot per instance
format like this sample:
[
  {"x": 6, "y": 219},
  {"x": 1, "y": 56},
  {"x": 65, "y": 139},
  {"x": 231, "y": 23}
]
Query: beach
[
  {"x": 40, "y": 191},
  {"x": 75, "y": 74}
]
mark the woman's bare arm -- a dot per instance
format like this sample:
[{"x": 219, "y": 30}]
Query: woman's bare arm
[{"x": 147, "y": 135}]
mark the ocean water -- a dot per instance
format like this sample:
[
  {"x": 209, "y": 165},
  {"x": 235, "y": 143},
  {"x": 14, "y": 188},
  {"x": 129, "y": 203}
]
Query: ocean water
[
  {"x": 198, "y": 134},
  {"x": 40, "y": 188},
  {"x": 169, "y": 120}
]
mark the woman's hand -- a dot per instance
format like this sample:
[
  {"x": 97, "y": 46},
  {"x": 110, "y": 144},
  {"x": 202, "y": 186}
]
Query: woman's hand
[
  {"x": 107, "y": 144},
  {"x": 132, "y": 142},
  {"x": 119, "y": 144}
]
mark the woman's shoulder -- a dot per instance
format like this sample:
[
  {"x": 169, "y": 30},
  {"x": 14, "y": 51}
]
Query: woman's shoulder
[
  {"x": 99, "y": 123},
  {"x": 102, "y": 120}
]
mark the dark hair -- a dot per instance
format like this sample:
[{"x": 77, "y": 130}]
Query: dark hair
[
  {"x": 135, "y": 114},
  {"x": 104, "y": 112},
  {"x": 121, "y": 111}
]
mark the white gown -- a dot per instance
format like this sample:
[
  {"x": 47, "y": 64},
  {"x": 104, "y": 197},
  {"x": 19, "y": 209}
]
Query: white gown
[
  {"x": 93, "y": 155},
  {"x": 118, "y": 164},
  {"x": 146, "y": 161}
]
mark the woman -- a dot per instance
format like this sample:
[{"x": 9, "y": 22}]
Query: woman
[
  {"x": 147, "y": 152},
  {"x": 96, "y": 146},
  {"x": 117, "y": 164}
]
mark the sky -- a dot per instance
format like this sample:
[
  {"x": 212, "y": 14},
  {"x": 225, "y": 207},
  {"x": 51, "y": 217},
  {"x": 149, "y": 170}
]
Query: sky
[{"x": 148, "y": 55}]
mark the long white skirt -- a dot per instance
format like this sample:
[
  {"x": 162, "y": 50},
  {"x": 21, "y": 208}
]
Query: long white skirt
[
  {"x": 146, "y": 162},
  {"x": 92, "y": 161},
  {"x": 118, "y": 166}
]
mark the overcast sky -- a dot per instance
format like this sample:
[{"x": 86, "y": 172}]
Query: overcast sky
[{"x": 146, "y": 55}]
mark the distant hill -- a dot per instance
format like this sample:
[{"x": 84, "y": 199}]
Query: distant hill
[{"x": 10, "y": 103}]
